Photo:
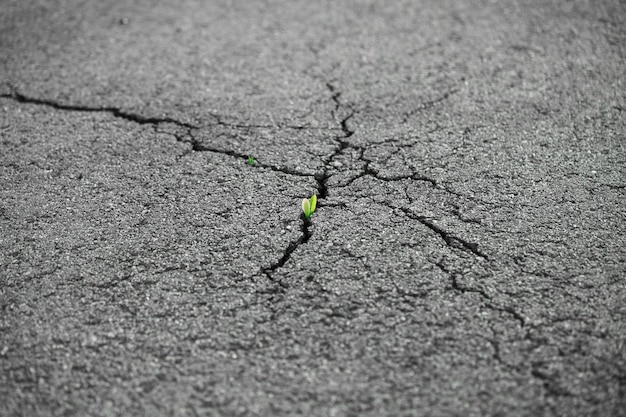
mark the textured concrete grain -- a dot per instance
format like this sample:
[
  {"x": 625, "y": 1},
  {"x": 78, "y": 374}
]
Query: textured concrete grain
[{"x": 466, "y": 257}]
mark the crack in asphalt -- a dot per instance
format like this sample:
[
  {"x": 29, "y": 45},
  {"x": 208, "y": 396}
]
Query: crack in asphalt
[
  {"x": 187, "y": 138},
  {"x": 322, "y": 192},
  {"x": 197, "y": 146},
  {"x": 322, "y": 187},
  {"x": 145, "y": 120},
  {"x": 114, "y": 111},
  {"x": 321, "y": 178},
  {"x": 368, "y": 171},
  {"x": 458, "y": 243},
  {"x": 293, "y": 245},
  {"x": 429, "y": 104},
  {"x": 463, "y": 289},
  {"x": 450, "y": 240}
]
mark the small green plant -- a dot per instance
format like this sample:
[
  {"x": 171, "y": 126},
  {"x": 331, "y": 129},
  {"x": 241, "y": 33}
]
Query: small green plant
[
  {"x": 250, "y": 161},
  {"x": 308, "y": 206}
]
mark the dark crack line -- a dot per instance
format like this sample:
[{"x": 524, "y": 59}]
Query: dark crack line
[
  {"x": 509, "y": 310},
  {"x": 291, "y": 248},
  {"x": 428, "y": 104},
  {"x": 143, "y": 120},
  {"x": 116, "y": 112},
  {"x": 463, "y": 289},
  {"x": 368, "y": 171},
  {"x": 198, "y": 146},
  {"x": 489, "y": 301},
  {"x": 322, "y": 188},
  {"x": 457, "y": 212},
  {"x": 284, "y": 170},
  {"x": 336, "y": 98},
  {"x": 186, "y": 138},
  {"x": 343, "y": 144},
  {"x": 451, "y": 240},
  {"x": 335, "y": 95},
  {"x": 344, "y": 126}
]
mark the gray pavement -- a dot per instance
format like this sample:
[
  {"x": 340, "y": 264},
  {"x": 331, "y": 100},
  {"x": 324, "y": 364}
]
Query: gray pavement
[{"x": 467, "y": 257}]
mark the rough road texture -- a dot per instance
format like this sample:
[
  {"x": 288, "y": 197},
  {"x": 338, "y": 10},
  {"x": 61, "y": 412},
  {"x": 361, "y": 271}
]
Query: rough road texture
[{"x": 466, "y": 258}]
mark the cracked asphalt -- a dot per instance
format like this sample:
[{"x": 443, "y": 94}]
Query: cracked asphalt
[{"x": 467, "y": 257}]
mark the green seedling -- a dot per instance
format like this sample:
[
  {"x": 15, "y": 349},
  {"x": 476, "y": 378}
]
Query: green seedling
[
  {"x": 308, "y": 206},
  {"x": 250, "y": 161}
]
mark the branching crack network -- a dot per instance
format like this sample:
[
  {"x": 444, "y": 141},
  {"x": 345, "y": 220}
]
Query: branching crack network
[{"x": 188, "y": 137}]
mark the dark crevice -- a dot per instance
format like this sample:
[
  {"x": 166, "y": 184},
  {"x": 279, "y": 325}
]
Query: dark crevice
[
  {"x": 143, "y": 120},
  {"x": 439, "y": 264},
  {"x": 458, "y": 243},
  {"x": 200, "y": 147},
  {"x": 451, "y": 240},
  {"x": 368, "y": 170},
  {"x": 116, "y": 112},
  {"x": 457, "y": 212},
  {"x": 291, "y": 248},
  {"x": 322, "y": 188},
  {"x": 272, "y": 127},
  {"x": 353, "y": 179},
  {"x": 335, "y": 97},
  {"x": 613, "y": 186},
  {"x": 463, "y": 289},
  {"x": 344, "y": 126},
  {"x": 187, "y": 137},
  {"x": 415, "y": 177}
]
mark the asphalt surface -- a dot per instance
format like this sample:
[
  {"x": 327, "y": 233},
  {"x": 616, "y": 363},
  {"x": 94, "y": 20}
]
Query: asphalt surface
[{"x": 467, "y": 257}]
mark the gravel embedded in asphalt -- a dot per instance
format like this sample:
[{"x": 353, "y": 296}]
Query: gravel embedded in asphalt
[{"x": 466, "y": 256}]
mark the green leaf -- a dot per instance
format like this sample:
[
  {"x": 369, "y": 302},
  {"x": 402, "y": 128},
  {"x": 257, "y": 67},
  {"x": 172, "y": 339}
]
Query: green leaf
[
  {"x": 306, "y": 208},
  {"x": 313, "y": 203}
]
